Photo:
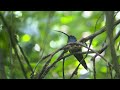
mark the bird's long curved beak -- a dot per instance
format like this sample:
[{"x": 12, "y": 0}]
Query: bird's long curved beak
[{"x": 63, "y": 33}]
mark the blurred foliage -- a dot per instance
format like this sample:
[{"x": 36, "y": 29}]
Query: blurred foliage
[{"x": 35, "y": 34}]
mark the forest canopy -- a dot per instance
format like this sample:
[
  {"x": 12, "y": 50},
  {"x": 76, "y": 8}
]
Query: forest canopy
[{"x": 35, "y": 45}]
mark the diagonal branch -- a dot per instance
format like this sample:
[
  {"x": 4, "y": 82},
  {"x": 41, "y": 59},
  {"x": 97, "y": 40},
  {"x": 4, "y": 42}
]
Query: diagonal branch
[
  {"x": 103, "y": 29},
  {"x": 42, "y": 75}
]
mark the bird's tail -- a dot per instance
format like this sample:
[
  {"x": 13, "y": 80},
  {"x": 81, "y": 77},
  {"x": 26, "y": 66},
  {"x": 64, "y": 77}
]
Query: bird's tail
[
  {"x": 84, "y": 64},
  {"x": 79, "y": 57}
]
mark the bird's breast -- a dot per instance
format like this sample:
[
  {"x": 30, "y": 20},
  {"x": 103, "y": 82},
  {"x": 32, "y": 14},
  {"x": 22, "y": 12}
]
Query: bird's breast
[{"x": 74, "y": 49}]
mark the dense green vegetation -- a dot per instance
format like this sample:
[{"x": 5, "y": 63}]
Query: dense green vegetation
[{"x": 31, "y": 35}]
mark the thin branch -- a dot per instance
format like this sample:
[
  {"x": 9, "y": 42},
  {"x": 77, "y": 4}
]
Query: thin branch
[
  {"x": 46, "y": 57},
  {"x": 63, "y": 69},
  {"x": 47, "y": 63},
  {"x": 103, "y": 49},
  {"x": 75, "y": 71},
  {"x": 103, "y": 29},
  {"x": 50, "y": 15},
  {"x": 94, "y": 69},
  {"x": 45, "y": 66},
  {"x": 42, "y": 75},
  {"x": 110, "y": 69},
  {"x": 22, "y": 67},
  {"x": 13, "y": 43},
  {"x": 32, "y": 74},
  {"x": 25, "y": 57},
  {"x": 97, "y": 21}
]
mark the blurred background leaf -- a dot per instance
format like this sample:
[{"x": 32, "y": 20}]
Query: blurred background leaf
[{"x": 36, "y": 35}]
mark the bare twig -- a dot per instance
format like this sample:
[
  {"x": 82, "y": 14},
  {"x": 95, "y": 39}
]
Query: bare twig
[
  {"x": 32, "y": 74},
  {"x": 47, "y": 63},
  {"x": 26, "y": 59},
  {"x": 110, "y": 69},
  {"x": 103, "y": 29},
  {"x": 50, "y": 15},
  {"x": 94, "y": 69},
  {"x": 75, "y": 71},
  {"x": 46, "y": 57},
  {"x": 93, "y": 35},
  {"x": 97, "y": 21},
  {"x": 63, "y": 69},
  {"x": 45, "y": 71},
  {"x": 103, "y": 49}
]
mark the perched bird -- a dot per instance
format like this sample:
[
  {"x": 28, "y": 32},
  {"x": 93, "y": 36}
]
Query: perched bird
[{"x": 79, "y": 57}]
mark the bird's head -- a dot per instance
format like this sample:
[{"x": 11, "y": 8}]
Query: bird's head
[{"x": 70, "y": 37}]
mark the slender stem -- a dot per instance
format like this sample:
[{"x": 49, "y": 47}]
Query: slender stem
[
  {"x": 75, "y": 71},
  {"x": 94, "y": 69},
  {"x": 63, "y": 69}
]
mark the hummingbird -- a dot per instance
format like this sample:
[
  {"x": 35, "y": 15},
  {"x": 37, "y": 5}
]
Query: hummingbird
[{"x": 79, "y": 57}]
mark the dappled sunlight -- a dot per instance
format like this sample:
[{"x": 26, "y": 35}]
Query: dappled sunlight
[
  {"x": 51, "y": 44},
  {"x": 18, "y": 14},
  {"x": 37, "y": 47},
  {"x": 26, "y": 38},
  {"x": 118, "y": 16},
  {"x": 87, "y": 14}
]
